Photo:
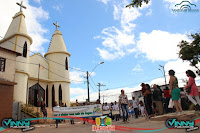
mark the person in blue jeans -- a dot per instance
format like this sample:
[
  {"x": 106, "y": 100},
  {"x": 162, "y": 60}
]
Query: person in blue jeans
[{"x": 123, "y": 102}]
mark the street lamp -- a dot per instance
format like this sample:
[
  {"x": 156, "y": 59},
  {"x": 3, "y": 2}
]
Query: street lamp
[
  {"x": 88, "y": 74},
  {"x": 96, "y": 67},
  {"x": 163, "y": 73}
]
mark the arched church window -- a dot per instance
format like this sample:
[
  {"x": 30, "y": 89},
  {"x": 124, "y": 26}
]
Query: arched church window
[
  {"x": 60, "y": 95},
  {"x": 25, "y": 50},
  {"x": 47, "y": 97},
  {"x": 66, "y": 64},
  {"x": 53, "y": 96}
]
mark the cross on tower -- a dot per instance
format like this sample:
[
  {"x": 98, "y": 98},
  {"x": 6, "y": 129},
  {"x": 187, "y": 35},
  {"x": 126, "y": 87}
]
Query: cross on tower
[
  {"x": 56, "y": 24},
  {"x": 21, "y": 6}
]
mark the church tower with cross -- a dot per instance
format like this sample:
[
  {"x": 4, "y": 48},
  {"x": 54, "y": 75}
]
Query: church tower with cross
[
  {"x": 17, "y": 39},
  {"x": 58, "y": 52},
  {"x": 39, "y": 79}
]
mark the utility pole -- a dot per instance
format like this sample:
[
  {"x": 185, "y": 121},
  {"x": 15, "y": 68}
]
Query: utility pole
[
  {"x": 99, "y": 84},
  {"x": 103, "y": 99},
  {"x": 88, "y": 86},
  {"x": 164, "y": 74}
]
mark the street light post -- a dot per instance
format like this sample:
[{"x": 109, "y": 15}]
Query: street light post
[
  {"x": 163, "y": 73},
  {"x": 88, "y": 74}
]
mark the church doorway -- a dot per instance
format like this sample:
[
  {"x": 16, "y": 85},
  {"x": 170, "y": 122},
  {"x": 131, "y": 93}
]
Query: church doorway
[{"x": 36, "y": 95}]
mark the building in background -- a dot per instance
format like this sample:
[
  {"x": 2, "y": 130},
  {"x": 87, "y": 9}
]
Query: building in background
[{"x": 7, "y": 74}]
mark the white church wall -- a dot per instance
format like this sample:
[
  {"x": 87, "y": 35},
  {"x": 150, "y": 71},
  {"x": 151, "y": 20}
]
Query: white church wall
[
  {"x": 58, "y": 69},
  {"x": 10, "y": 44},
  {"x": 38, "y": 59},
  {"x": 20, "y": 90}
]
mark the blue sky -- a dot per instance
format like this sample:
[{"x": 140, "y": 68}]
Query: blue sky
[{"x": 131, "y": 41}]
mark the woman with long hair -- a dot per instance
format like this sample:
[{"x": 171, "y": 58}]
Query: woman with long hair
[
  {"x": 174, "y": 90},
  {"x": 194, "y": 90},
  {"x": 148, "y": 100}
]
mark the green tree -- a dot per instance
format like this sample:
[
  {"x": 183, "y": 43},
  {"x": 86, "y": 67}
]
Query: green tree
[
  {"x": 191, "y": 51},
  {"x": 137, "y": 3}
]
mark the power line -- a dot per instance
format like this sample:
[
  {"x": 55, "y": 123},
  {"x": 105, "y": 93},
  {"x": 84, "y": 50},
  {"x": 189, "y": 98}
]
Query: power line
[
  {"x": 140, "y": 82},
  {"x": 47, "y": 59},
  {"x": 93, "y": 88},
  {"x": 93, "y": 82},
  {"x": 44, "y": 68}
]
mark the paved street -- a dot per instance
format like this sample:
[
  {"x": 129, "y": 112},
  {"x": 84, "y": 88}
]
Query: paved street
[{"x": 79, "y": 127}]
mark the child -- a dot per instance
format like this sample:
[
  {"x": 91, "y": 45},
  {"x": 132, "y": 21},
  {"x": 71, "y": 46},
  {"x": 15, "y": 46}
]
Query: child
[{"x": 142, "y": 109}]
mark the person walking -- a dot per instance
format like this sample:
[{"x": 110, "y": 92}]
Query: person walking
[
  {"x": 157, "y": 97},
  {"x": 57, "y": 120},
  {"x": 135, "y": 107},
  {"x": 123, "y": 102},
  {"x": 148, "y": 101},
  {"x": 194, "y": 90},
  {"x": 175, "y": 91}
]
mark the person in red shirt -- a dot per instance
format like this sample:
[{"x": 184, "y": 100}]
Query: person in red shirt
[
  {"x": 194, "y": 90},
  {"x": 167, "y": 98}
]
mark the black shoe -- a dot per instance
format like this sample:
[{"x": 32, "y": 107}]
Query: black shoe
[{"x": 197, "y": 107}]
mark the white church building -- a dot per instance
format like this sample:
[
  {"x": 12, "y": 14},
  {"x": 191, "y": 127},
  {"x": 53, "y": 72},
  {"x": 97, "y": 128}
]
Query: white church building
[{"x": 38, "y": 78}]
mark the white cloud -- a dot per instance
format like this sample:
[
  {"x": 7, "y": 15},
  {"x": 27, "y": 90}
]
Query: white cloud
[
  {"x": 34, "y": 15},
  {"x": 76, "y": 76},
  {"x": 79, "y": 76},
  {"x": 104, "y": 1},
  {"x": 58, "y": 7},
  {"x": 78, "y": 91},
  {"x": 118, "y": 42},
  {"x": 37, "y": 1},
  {"x": 160, "y": 45},
  {"x": 149, "y": 12},
  {"x": 109, "y": 95},
  {"x": 144, "y": 5},
  {"x": 137, "y": 68}
]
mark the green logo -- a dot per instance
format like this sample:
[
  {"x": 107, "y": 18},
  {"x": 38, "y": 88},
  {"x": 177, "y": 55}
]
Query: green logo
[{"x": 185, "y": 6}]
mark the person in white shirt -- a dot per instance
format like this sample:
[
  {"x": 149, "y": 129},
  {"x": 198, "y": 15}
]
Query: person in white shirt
[
  {"x": 135, "y": 106},
  {"x": 116, "y": 108},
  {"x": 106, "y": 107},
  {"x": 57, "y": 106}
]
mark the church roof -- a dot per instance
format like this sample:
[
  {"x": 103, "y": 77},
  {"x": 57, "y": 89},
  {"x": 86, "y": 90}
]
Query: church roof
[
  {"x": 57, "y": 44},
  {"x": 17, "y": 25}
]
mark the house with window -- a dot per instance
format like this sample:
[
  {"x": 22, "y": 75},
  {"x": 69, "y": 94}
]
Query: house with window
[
  {"x": 7, "y": 74},
  {"x": 39, "y": 78}
]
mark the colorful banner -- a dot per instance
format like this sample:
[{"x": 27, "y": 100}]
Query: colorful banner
[{"x": 79, "y": 111}]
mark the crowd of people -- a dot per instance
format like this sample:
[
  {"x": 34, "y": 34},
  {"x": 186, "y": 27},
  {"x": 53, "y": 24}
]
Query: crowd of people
[{"x": 156, "y": 101}]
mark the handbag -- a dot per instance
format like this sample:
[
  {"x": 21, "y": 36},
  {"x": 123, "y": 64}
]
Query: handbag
[
  {"x": 188, "y": 90},
  {"x": 171, "y": 104}
]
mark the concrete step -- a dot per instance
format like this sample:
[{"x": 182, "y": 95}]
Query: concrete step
[{"x": 186, "y": 115}]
